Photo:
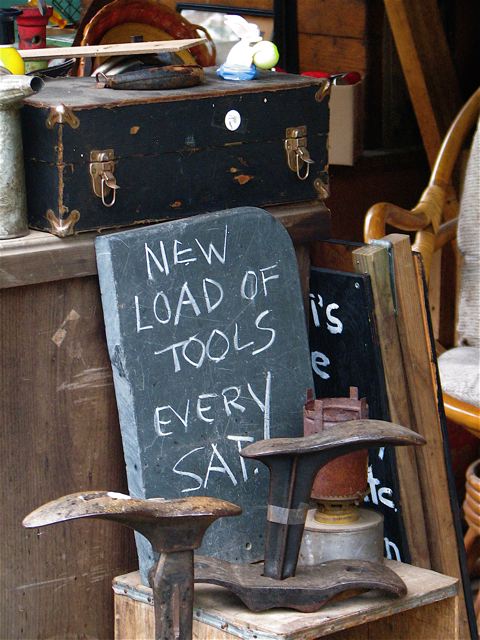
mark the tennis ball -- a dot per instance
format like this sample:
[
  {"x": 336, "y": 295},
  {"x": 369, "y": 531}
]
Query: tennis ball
[{"x": 265, "y": 54}]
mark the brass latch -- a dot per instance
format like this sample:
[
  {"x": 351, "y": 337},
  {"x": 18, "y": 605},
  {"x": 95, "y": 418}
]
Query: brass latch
[
  {"x": 297, "y": 152},
  {"x": 102, "y": 166}
]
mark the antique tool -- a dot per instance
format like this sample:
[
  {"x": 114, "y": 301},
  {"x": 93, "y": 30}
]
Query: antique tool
[
  {"x": 293, "y": 464},
  {"x": 341, "y": 484},
  {"x": 359, "y": 540},
  {"x": 338, "y": 528},
  {"x": 174, "y": 528},
  {"x": 13, "y": 204},
  {"x": 154, "y": 78},
  {"x": 309, "y": 590}
]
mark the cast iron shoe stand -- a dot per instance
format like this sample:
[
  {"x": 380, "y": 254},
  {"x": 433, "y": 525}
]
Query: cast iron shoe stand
[
  {"x": 176, "y": 527},
  {"x": 293, "y": 465}
]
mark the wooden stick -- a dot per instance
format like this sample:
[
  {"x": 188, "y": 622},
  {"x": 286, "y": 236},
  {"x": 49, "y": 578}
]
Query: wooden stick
[
  {"x": 419, "y": 365},
  {"x": 127, "y": 48},
  {"x": 427, "y": 66},
  {"x": 374, "y": 261}
]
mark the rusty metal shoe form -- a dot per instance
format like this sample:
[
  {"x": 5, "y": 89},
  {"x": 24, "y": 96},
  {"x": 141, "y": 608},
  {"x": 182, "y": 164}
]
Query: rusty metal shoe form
[
  {"x": 293, "y": 465},
  {"x": 310, "y": 589},
  {"x": 174, "y": 528}
]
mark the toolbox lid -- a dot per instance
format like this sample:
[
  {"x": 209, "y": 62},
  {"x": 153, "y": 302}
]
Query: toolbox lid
[{"x": 84, "y": 93}]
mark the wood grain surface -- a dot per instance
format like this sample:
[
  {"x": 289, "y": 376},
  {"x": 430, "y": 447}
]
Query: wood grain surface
[
  {"x": 427, "y": 66},
  {"x": 127, "y": 48},
  {"x": 444, "y": 545},
  {"x": 42, "y": 257},
  {"x": 59, "y": 434},
  {"x": 218, "y": 615},
  {"x": 374, "y": 261}
]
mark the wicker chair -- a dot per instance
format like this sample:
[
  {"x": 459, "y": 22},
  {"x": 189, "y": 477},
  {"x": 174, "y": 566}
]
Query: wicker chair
[
  {"x": 459, "y": 366},
  {"x": 461, "y": 396}
]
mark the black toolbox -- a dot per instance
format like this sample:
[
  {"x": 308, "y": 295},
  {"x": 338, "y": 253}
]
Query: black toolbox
[{"x": 101, "y": 158}]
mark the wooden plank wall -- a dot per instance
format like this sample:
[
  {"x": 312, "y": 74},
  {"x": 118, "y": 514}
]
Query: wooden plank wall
[
  {"x": 59, "y": 432},
  {"x": 332, "y": 33}
]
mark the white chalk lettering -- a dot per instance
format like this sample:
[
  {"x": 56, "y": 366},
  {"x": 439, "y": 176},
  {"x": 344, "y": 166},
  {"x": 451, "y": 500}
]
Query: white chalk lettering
[
  {"x": 385, "y": 491},
  {"x": 211, "y": 307},
  {"x": 334, "y": 325},
  {"x": 185, "y": 298},
  {"x": 319, "y": 359},
  {"x": 272, "y": 332},
  {"x": 173, "y": 348},
  {"x": 223, "y": 469},
  {"x": 389, "y": 547},
  {"x": 239, "y": 440},
  {"x": 177, "y": 253},
  {"x": 139, "y": 322},
  {"x": 265, "y": 278},
  {"x": 249, "y": 286},
  {"x": 202, "y": 410},
  {"x": 183, "y": 419},
  {"x": 161, "y": 266},
  {"x": 188, "y": 474},
  {"x": 217, "y": 345},
  {"x": 217, "y": 463},
  {"x": 167, "y": 308},
  {"x": 378, "y": 494},
  {"x": 232, "y": 402},
  {"x": 265, "y": 405},
  {"x": 212, "y": 249},
  {"x": 190, "y": 341},
  {"x": 313, "y": 308},
  {"x": 236, "y": 345},
  {"x": 157, "y": 422},
  {"x": 222, "y": 355}
]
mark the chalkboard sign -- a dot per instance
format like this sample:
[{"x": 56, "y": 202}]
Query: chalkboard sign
[
  {"x": 207, "y": 336},
  {"x": 345, "y": 353}
]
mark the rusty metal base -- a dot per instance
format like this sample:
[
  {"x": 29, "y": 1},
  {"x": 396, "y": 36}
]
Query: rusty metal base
[{"x": 309, "y": 590}]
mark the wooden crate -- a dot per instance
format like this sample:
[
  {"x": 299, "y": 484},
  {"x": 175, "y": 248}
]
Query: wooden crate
[{"x": 429, "y": 610}]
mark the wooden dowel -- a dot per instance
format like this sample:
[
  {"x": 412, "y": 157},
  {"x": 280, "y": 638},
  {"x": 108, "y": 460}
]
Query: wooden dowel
[{"x": 126, "y": 48}]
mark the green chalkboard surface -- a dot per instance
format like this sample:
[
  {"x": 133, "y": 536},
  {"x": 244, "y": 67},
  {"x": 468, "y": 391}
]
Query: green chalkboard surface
[{"x": 207, "y": 337}]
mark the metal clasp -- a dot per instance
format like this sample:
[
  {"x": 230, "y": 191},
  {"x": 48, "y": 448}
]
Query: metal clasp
[
  {"x": 298, "y": 156},
  {"x": 102, "y": 166}
]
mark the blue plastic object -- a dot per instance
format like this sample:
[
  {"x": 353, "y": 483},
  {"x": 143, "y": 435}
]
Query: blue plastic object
[{"x": 237, "y": 72}]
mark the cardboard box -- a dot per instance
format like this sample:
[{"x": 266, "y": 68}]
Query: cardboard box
[{"x": 345, "y": 140}]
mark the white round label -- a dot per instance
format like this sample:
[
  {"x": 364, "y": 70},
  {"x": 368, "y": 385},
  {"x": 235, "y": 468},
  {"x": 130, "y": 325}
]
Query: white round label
[{"x": 233, "y": 120}]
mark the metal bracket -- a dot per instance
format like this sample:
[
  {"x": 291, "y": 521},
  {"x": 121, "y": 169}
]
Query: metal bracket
[
  {"x": 298, "y": 155},
  {"x": 386, "y": 244},
  {"x": 102, "y": 166},
  {"x": 62, "y": 115},
  {"x": 62, "y": 226}
]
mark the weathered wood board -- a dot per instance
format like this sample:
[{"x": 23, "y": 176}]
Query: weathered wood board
[
  {"x": 427, "y": 612},
  {"x": 207, "y": 337},
  {"x": 345, "y": 352}
]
